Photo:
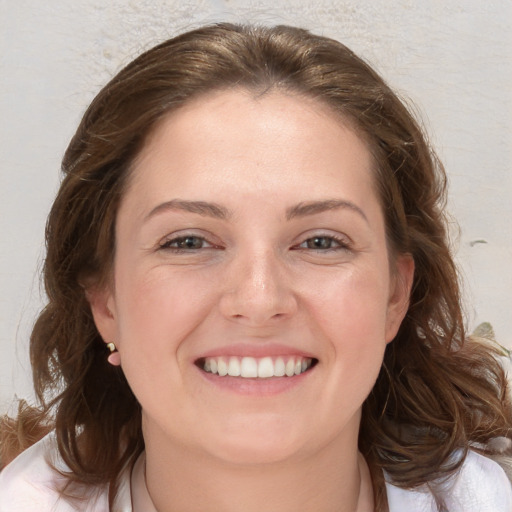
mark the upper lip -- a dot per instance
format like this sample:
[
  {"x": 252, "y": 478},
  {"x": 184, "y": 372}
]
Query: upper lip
[{"x": 256, "y": 350}]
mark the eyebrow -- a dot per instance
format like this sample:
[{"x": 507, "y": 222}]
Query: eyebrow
[
  {"x": 314, "y": 207},
  {"x": 200, "y": 207},
  {"x": 220, "y": 212}
]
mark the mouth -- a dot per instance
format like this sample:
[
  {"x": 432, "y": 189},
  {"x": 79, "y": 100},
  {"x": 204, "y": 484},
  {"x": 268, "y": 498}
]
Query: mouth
[{"x": 256, "y": 367}]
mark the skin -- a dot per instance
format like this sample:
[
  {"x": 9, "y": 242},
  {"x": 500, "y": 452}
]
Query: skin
[{"x": 315, "y": 280}]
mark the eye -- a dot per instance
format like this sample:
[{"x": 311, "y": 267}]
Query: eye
[
  {"x": 320, "y": 242},
  {"x": 185, "y": 243},
  {"x": 323, "y": 243}
]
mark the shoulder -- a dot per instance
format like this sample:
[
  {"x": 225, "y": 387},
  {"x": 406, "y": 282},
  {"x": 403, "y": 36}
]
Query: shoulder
[
  {"x": 480, "y": 485},
  {"x": 30, "y": 483}
]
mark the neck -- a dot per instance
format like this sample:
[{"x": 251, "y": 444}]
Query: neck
[{"x": 334, "y": 479}]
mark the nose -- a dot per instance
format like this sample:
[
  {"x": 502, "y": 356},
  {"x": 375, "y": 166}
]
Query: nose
[{"x": 258, "y": 290}]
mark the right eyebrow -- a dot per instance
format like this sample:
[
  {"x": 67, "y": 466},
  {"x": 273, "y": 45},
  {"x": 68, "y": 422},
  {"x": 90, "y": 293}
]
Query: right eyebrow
[
  {"x": 314, "y": 207},
  {"x": 200, "y": 207}
]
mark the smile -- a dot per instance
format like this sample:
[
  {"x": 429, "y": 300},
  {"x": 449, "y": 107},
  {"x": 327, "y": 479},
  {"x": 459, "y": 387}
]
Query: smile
[{"x": 252, "y": 367}]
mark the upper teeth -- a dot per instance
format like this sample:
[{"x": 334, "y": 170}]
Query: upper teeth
[{"x": 251, "y": 367}]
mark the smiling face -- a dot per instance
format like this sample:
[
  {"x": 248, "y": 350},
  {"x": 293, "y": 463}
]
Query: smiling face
[{"x": 252, "y": 297}]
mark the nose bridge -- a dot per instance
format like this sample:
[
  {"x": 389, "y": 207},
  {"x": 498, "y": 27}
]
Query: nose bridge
[{"x": 258, "y": 288}]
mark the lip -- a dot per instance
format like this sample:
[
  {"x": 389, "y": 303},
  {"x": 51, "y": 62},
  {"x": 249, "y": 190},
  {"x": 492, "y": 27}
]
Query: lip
[
  {"x": 257, "y": 350},
  {"x": 256, "y": 387}
]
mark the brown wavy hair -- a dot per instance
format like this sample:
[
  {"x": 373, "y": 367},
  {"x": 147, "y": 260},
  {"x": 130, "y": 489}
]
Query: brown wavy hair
[{"x": 437, "y": 393}]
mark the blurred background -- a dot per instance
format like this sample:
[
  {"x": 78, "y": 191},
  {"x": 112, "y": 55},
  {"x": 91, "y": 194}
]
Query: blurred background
[{"x": 450, "y": 58}]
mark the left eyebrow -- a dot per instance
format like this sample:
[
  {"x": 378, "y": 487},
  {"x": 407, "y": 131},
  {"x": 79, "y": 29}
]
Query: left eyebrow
[
  {"x": 200, "y": 207},
  {"x": 314, "y": 207}
]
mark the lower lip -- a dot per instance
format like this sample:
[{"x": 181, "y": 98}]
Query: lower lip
[{"x": 255, "y": 386}]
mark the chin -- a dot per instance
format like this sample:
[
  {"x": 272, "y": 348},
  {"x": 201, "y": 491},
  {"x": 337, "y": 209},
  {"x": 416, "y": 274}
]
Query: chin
[
  {"x": 261, "y": 445},
  {"x": 249, "y": 454}
]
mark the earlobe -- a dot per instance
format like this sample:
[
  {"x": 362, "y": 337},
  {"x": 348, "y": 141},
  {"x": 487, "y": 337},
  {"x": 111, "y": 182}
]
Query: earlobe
[
  {"x": 402, "y": 281},
  {"x": 114, "y": 358}
]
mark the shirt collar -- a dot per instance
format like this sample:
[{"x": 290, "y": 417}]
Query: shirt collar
[{"x": 132, "y": 493}]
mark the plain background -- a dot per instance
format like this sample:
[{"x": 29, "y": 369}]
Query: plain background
[{"x": 451, "y": 58}]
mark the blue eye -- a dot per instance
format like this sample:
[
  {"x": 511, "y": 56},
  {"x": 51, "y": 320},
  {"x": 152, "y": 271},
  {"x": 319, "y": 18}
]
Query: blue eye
[
  {"x": 322, "y": 243},
  {"x": 185, "y": 243}
]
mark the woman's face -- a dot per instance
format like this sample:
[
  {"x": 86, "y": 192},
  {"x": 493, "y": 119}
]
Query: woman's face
[{"x": 251, "y": 240}]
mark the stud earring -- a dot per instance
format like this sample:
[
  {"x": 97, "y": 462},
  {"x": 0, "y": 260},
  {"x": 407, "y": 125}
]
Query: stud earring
[{"x": 115, "y": 357}]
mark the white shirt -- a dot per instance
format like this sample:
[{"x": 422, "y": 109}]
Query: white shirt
[{"x": 29, "y": 484}]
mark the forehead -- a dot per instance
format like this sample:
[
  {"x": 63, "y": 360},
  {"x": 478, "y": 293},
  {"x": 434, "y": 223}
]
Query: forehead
[{"x": 253, "y": 126}]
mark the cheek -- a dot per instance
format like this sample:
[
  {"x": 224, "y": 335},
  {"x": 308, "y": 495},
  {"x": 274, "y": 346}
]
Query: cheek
[
  {"x": 156, "y": 312},
  {"x": 154, "y": 299},
  {"x": 351, "y": 317},
  {"x": 353, "y": 303},
  {"x": 155, "y": 315}
]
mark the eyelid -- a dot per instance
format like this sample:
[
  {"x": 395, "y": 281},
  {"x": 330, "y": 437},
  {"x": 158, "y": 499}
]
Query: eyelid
[
  {"x": 343, "y": 242},
  {"x": 166, "y": 241}
]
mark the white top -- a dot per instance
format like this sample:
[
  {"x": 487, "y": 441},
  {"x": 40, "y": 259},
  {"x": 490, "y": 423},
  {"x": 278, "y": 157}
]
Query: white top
[{"x": 29, "y": 484}]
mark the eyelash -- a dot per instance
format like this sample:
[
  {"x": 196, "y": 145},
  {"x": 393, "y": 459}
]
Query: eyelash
[
  {"x": 340, "y": 244},
  {"x": 168, "y": 244}
]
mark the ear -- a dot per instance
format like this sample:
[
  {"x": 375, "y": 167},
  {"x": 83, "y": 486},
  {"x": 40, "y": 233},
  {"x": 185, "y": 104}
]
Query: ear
[
  {"x": 103, "y": 310},
  {"x": 400, "y": 292}
]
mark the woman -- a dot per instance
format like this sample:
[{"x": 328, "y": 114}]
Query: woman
[{"x": 251, "y": 224}]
